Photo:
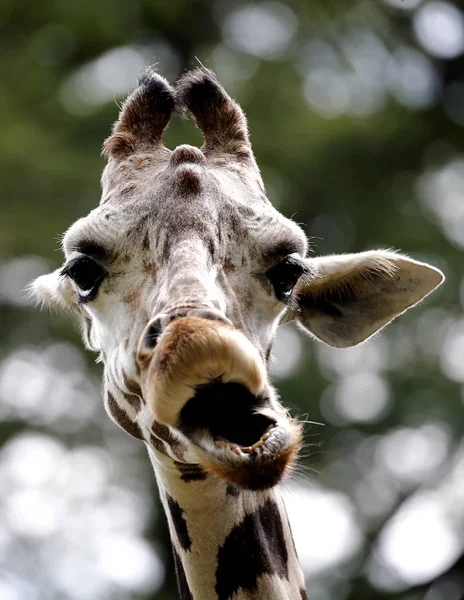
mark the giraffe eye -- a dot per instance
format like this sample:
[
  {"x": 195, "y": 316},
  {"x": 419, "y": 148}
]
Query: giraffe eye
[
  {"x": 284, "y": 276},
  {"x": 87, "y": 274}
]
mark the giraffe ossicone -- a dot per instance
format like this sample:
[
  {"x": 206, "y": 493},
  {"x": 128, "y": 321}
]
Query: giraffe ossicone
[{"x": 180, "y": 278}]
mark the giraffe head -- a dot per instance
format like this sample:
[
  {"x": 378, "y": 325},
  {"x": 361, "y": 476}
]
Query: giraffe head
[{"x": 183, "y": 273}]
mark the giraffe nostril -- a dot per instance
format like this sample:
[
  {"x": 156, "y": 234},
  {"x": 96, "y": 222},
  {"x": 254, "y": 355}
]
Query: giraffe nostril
[
  {"x": 157, "y": 326},
  {"x": 152, "y": 334}
]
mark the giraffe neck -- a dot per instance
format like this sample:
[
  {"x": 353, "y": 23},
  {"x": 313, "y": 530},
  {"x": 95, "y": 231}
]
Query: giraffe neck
[{"x": 228, "y": 544}]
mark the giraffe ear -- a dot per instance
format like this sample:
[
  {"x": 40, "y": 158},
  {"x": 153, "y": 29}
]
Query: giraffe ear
[
  {"x": 53, "y": 290},
  {"x": 143, "y": 117},
  {"x": 348, "y": 298},
  {"x": 219, "y": 118}
]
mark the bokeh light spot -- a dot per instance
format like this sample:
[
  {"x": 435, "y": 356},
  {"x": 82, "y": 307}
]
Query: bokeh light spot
[
  {"x": 263, "y": 30},
  {"x": 439, "y": 27}
]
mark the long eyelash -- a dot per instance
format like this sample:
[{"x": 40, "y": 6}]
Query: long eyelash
[
  {"x": 67, "y": 267},
  {"x": 64, "y": 271}
]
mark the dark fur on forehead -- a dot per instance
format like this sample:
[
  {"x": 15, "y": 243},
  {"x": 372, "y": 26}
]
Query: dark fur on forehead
[
  {"x": 143, "y": 117},
  {"x": 220, "y": 119}
]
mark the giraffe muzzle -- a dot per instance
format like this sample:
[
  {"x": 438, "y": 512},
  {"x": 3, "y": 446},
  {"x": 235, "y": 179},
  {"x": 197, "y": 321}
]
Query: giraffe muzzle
[
  {"x": 208, "y": 381},
  {"x": 191, "y": 352}
]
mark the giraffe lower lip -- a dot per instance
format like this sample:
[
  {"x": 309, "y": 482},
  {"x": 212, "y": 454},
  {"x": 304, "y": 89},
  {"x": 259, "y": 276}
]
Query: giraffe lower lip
[
  {"x": 256, "y": 467},
  {"x": 222, "y": 442}
]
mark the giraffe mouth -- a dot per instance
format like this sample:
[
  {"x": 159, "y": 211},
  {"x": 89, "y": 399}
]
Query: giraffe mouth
[
  {"x": 229, "y": 414},
  {"x": 239, "y": 436}
]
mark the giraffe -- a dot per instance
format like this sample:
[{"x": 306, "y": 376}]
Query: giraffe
[{"x": 180, "y": 278}]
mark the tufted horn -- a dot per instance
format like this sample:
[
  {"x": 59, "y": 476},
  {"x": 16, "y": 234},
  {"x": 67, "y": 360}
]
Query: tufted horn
[
  {"x": 218, "y": 117},
  {"x": 143, "y": 117}
]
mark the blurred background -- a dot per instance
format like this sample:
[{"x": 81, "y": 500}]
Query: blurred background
[{"x": 356, "y": 112}]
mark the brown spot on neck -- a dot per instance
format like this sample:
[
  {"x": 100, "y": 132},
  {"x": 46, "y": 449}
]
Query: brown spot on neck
[
  {"x": 163, "y": 433},
  {"x": 132, "y": 386},
  {"x": 121, "y": 417}
]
